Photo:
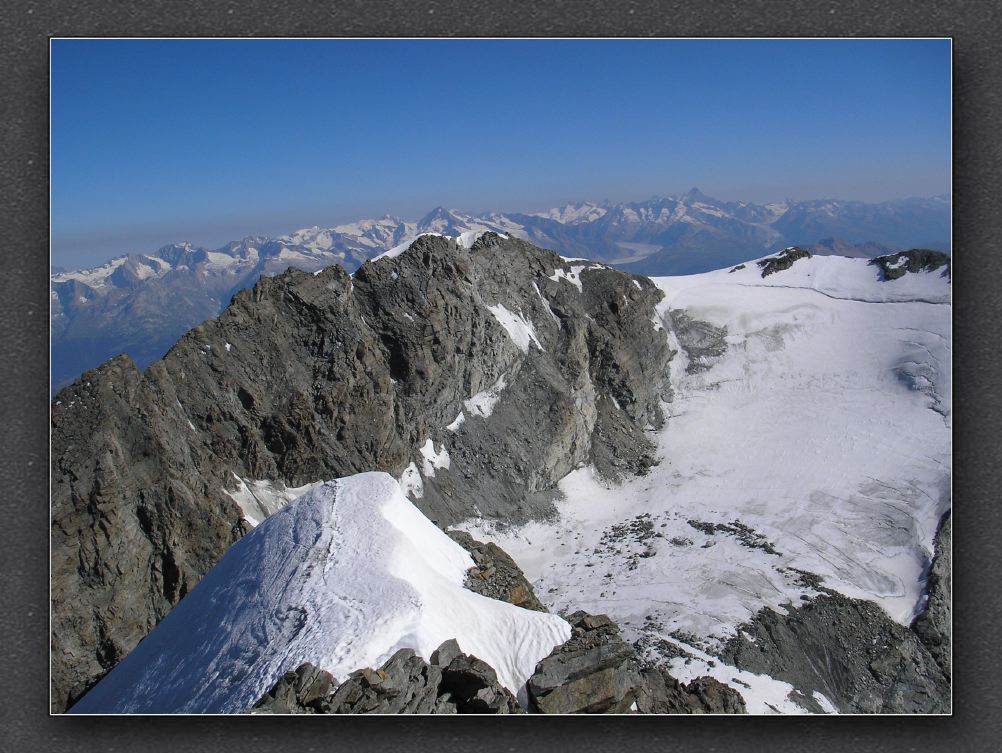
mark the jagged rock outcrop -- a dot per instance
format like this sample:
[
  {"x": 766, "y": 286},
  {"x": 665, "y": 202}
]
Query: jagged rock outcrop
[
  {"x": 934, "y": 625},
  {"x": 594, "y": 672},
  {"x": 893, "y": 266},
  {"x": 661, "y": 693},
  {"x": 847, "y": 649},
  {"x": 783, "y": 260},
  {"x": 305, "y": 690},
  {"x": 453, "y": 683},
  {"x": 496, "y": 575},
  {"x": 597, "y": 672},
  {"x": 317, "y": 376}
]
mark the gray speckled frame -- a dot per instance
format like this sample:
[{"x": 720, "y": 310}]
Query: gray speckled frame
[{"x": 26, "y": 28}]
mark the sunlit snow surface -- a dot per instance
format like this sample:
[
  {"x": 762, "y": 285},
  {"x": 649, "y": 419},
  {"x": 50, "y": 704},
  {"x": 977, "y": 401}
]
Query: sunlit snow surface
[
  {"x": 342, "y": 577},
  {"x": 824, "y": 428}
]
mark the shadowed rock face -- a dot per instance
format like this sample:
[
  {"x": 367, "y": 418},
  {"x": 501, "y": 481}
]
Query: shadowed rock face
[{"x": 308, "y": 377}]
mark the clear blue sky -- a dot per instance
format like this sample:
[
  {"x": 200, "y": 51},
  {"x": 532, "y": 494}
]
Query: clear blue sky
[{"x": 207, "y": 141}]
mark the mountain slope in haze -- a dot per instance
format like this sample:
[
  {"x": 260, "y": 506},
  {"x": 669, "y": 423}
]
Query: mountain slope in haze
[
  {"x": 477, "y": 376},
  {"x": 342, "y": 578},
  {"x": 141, "y": 304}
]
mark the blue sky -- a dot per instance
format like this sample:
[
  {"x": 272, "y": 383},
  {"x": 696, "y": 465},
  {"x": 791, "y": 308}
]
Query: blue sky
[{"x": 211, "y": 140}]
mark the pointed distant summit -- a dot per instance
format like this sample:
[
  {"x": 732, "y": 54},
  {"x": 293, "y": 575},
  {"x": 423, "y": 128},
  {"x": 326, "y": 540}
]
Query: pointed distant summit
[
  {"x": 694, "y": 194},
  {"x": 444, "y": 221}
]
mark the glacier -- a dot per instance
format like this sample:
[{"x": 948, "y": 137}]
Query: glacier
[{"x": 819, "y": 441}]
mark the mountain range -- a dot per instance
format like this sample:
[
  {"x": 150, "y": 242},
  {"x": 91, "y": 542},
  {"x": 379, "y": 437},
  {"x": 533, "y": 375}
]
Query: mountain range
[
  {"x": 141, "y": 304},
  {"x": 475, "y": 476}
]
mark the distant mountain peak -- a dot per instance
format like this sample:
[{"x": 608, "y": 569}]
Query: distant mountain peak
[{"x": 694, "y": 194}]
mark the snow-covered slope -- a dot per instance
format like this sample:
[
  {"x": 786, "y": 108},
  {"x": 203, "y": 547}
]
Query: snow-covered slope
[
  {"x": 342, "y": 578},
  {"x": 818, "y": 441}
]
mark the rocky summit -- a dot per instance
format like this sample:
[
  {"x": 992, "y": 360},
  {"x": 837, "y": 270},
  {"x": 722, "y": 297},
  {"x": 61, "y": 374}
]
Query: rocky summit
[{"x": 479, "y": 376}]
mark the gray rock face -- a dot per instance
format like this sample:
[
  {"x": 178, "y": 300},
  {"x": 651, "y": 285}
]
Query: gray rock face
[
  {"x": 847, "y": 649},
  {"x": 406, "y": 684},
  {"x": 496, "y": 575},
  {"x": 597, "y": 672},
  {"x": 315, "y": 376},
  {"x": 934, "y": 625}
]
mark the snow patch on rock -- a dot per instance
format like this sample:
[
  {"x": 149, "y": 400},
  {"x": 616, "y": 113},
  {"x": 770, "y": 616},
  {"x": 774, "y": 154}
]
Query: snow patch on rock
[
  {"x": 482, "y": 404},
  {"x": 519, "y": 329}
]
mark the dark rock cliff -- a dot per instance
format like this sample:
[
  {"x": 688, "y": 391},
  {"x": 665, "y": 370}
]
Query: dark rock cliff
[
  {"x": 853, "y": 653},
  {"x": 315, "y": 376}
]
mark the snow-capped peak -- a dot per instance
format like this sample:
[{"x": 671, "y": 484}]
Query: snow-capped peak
[{"x": 343, "y": 577}]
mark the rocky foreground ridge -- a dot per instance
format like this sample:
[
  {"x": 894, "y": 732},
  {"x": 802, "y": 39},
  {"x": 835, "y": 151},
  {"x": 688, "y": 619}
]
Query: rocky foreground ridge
[
  {"x": 594, "y": 672},
  {"x": 318, "y": 376}
]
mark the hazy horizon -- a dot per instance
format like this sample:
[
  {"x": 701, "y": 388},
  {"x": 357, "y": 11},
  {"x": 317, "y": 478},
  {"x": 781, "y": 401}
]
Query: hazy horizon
[
  {"x": 206, "y": 141},
  {"x": 96, "y": 248}
]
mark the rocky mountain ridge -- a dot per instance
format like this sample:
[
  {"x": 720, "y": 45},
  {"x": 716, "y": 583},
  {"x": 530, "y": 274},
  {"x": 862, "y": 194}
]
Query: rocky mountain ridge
[
  {"x": 141, "y": 304},
  {"x": 475, "y": 375}
]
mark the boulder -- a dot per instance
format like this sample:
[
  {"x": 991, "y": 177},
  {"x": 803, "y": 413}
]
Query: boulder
[
  {"x": 405, "y": 684},
  {"x": 474, "y": 688},
  {"x": 593, "y": 672}
]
